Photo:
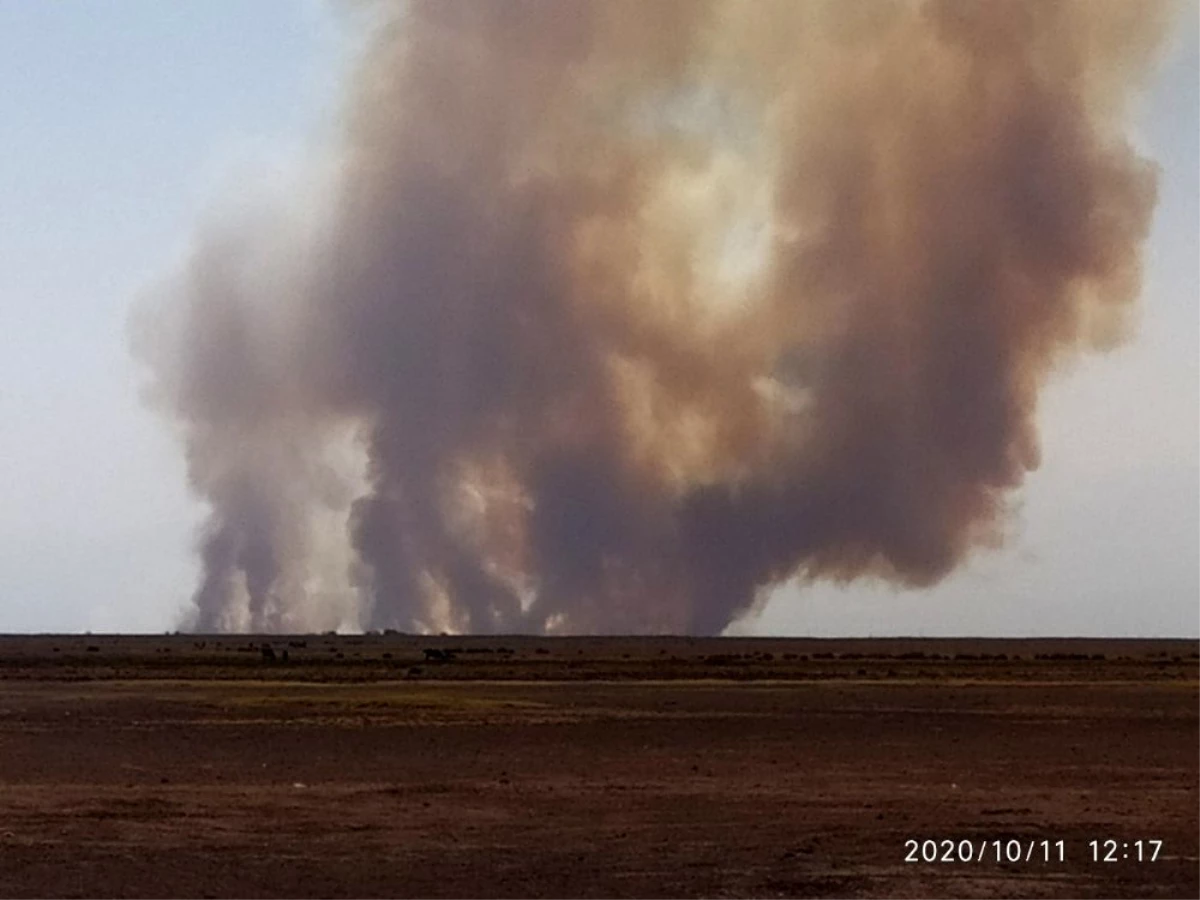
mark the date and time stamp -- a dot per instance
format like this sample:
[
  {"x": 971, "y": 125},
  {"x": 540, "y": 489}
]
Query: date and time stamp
[{"x": 1028, "y": 851}]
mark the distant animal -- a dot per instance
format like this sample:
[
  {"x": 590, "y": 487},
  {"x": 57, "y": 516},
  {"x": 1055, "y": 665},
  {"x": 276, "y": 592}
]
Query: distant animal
[
  {"x": 268, "y": 653},
  {"x": 433, "y": 654}
]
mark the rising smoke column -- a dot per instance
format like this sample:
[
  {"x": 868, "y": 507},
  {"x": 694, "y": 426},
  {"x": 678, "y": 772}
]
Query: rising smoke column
[{"x": 635, "y": 310}]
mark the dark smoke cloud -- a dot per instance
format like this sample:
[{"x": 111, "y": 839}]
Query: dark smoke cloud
[{"x": 634, "y": 310}]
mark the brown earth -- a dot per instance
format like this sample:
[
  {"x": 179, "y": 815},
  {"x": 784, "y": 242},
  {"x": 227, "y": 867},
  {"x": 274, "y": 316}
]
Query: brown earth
[{"x": 182, "y": 766}]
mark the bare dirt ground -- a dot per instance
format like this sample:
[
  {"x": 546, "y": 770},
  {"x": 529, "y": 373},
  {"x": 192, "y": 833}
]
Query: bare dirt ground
[{"x": 181, "y": 766}]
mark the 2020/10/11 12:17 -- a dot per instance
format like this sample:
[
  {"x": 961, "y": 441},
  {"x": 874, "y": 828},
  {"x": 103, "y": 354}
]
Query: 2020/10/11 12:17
[{"x": 1108, "y": 850}]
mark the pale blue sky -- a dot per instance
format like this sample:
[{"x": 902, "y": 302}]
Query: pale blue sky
[{"x": 122, "y": 123}]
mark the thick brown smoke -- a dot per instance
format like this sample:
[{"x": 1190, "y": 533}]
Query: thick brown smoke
[{"x": 637, "y": 309}]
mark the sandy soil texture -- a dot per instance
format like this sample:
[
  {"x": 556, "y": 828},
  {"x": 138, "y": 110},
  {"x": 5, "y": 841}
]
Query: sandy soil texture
[{"x": 593, "y": 767}]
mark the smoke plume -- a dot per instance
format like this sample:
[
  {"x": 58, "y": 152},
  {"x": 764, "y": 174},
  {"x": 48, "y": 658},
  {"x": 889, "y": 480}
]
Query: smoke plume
[{"x": 613, "y": 315}]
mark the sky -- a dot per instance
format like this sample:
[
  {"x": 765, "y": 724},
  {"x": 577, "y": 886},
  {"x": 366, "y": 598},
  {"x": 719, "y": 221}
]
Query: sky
[{"x": 126, "y": 124}]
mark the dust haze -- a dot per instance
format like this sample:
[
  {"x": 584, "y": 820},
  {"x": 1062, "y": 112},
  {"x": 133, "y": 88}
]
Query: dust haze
[{"x": 613, "y": 315}]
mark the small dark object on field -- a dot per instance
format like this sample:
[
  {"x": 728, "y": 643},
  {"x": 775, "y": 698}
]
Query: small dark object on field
[
  {"x": 92, "y": 648},
  {"x": 268, "y": 653},
  {"x": 433, "y": 654},
  {"x": 199, "y": 645},
  {"x": 541, "y": 650},
  {"x": 299, "y": 645},
  {"x": 387, "y": 656},
  {"x": 284, "y": 655},
  {"x": 414, "y": 670}
]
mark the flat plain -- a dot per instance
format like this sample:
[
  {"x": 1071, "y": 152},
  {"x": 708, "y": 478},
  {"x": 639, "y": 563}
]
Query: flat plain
[{"x": 394, "y": 765}]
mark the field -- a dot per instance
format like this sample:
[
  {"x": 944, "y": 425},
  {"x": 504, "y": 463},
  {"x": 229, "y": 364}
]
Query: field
[{"x": 391, "y": 765}]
